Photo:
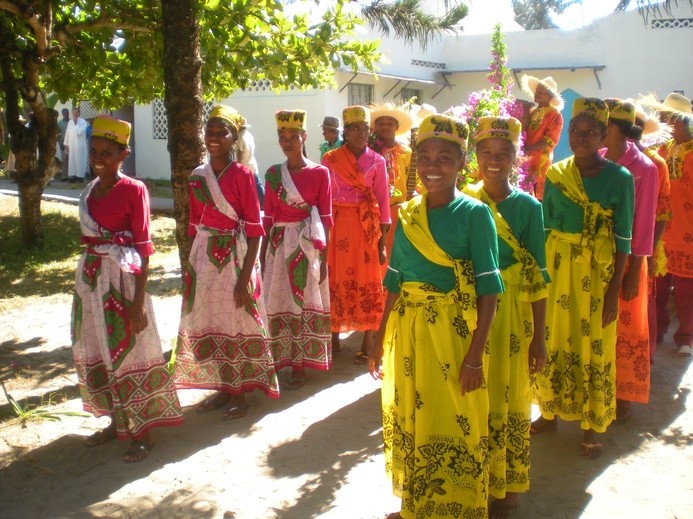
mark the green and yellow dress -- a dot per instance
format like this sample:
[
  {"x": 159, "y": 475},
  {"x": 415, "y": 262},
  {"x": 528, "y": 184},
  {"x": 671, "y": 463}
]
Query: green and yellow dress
[
  {"x": 522, "y": 260},
  {"x": 587, "y": 220},
  {"x": 436, "y": 440}
]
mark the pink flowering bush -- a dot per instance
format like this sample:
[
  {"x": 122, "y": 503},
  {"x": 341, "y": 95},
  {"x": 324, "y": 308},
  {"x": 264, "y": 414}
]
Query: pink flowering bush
[{"x": 495, "y": 100}]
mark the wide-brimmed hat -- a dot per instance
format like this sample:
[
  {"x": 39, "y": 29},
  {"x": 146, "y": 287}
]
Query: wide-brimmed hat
[
  {"x": 674, "y": 103},
  {"x": 654, "y": 131},
  {"x": 112, "y": 129},
  {"x": 444, "y": 126},
  {"x": 356, "y": 114},
  {"x": 420, "y": 112},
  {"x": 507, "y": 128},
  {"x": 591, "y": 107},
  {"x": 529, "y": 84},
  {"x": 291, "y": 119},
  {"x": 402, "y": 117},
  {"x": 330, "y": 122}
]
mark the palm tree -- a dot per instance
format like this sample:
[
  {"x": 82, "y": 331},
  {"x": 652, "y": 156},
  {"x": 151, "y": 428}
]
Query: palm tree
[
  {"x": 649, "y": 7},
  {"x": 408, "y": 21},
  {"x": 533, "y": 14}
]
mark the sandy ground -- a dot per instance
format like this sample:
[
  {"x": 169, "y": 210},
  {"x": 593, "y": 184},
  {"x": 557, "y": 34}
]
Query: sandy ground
[{"x": 316, "y": 452}]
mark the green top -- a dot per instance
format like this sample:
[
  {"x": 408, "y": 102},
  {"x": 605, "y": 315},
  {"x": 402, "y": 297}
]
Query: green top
[
  {"x": 523, "y": 213},
  {"x": 612, "y": 188},
  {"x": 464, "y": 229},
  {"x": 325, "y": 147}
]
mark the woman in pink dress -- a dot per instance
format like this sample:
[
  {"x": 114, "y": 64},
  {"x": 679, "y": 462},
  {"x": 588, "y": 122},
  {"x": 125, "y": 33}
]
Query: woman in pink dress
[
  {"x": 115, "y": 343},
  {"x": 222, "y": 340},
  {"x": 298, "y": 216}
]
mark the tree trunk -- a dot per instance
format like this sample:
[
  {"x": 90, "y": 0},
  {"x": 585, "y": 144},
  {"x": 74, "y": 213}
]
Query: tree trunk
[
  {"x": 184, "y": 104},
  {"x": 33, "y": 145}
]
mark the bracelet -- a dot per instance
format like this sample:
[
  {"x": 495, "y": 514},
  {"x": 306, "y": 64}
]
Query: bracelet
[{"x": 472, "y": 367}]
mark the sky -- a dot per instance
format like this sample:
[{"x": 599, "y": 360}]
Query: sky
[{"x": 484, "y": 14}]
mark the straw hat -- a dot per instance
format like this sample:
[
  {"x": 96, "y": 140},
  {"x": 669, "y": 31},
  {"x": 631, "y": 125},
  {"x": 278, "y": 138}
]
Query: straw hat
[
  {"x": 653, "y": 130},
  {"x": 674, "y": 103},
  {"x": 443, "y": 126},
  {"x": 420, "y": 112},
  {"x": 529, "y": 84},
  {"x": 402, "y": 117}
]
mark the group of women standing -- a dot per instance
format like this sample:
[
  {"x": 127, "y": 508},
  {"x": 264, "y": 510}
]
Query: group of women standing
[{"x": 459, "y": 331}]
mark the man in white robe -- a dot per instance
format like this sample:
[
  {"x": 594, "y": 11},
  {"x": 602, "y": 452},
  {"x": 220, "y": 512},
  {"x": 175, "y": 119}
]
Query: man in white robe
[{"x": 76, "y": 147}]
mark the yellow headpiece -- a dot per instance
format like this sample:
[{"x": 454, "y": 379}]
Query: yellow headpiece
[
  {"x": 592, "y": 107},
  {"x": 291, "y": 119},
  {"x": 620, "y": 110},
  {"x": 227, "y": 114},
  {"x": 112, "y": 129},
  {"x": 507, "y": 128},
  {"x": 356, "y": 114},
  {"x": 443, "y": 126}
]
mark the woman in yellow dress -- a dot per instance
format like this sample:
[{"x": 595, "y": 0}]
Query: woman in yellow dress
[
  {"x": 441, "y": 286},
  {"x": 588, "y": 214},
  {"x": 516, "y": 342}
]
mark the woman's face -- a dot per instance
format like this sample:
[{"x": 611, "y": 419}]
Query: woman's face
[
  {"x": 585, "y": 135},
  {"x": 291, "y": 141},
  {"x": 496, "y": 158},
  {"x": 438, "y": 163},
  {"x": 356, "y": 135},
  {"x": 219, "y": 138},
  {"x": 105, "y": 156}
]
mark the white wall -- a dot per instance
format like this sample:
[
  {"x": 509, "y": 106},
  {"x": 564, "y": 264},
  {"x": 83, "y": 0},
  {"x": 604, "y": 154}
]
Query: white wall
[{"x": 637, "y": 59}]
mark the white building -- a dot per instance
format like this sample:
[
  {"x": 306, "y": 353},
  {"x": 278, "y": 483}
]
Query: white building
[{"x": 617, "y": 56}]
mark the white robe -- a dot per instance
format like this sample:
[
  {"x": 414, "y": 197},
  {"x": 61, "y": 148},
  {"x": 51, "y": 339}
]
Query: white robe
[{"x": 76, "y": 142}]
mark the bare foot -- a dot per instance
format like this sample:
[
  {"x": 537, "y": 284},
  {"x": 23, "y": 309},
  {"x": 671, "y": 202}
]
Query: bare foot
[
  {"x": 101, "y": 437},
  {"x": 237, "y": 409},
  {"x": 502, "y": 508},
  {"x": 215, "y": 401},
  {"x": 138, "y": 450},
  {"x": 542, "y": 425},
  {"x": 590, "y": 448}
]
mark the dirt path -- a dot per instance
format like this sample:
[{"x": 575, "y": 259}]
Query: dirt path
[{"x": 316, "y": 452}]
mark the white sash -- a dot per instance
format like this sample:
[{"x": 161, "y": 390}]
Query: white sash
[
  {"x": 220, "y": 202},
  {"x": 125, "y": 256},
  {"x": 314, "y": 225}
]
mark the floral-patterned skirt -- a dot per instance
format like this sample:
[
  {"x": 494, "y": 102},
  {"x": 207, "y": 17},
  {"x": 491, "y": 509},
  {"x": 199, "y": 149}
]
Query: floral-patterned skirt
[
  {"x": 356, "y": 285},
  {"x": 298, "y": 305},
  {"x": 579, "y": 379},
  {"x": 221, "y": 346},
  {"x": 509, "y": 393},
  {"x": 633, "y": 345},
  {"x": 120, "y": 373},
  {"x": 436, "y": 440}
]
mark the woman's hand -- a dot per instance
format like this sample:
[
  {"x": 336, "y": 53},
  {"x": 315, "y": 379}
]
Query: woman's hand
[
  {"x": 537, "y": 353},
  {"x": 471, "y": 375},
  {"x": 137, "y": 317},
  {"x": 242, "y": 293},
  {"x": 610, "y": 310}
]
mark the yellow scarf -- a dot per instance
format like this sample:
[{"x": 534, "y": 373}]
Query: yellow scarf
[
  {"x": 413, "y": 217},
  {"x": 526, "y": 271}
]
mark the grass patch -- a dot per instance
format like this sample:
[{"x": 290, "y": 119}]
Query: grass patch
[{"x": 51, "y": 269}]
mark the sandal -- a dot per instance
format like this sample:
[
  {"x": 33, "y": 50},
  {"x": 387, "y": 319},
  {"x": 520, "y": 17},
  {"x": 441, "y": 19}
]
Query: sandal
[
  {"x": 215, "y": 401},
  {"x": 294, "y": 381},
  {"x": 542, "y": 425},
  {"x": 590, "y": 451},
  {"x": 361, "y": 358},
  {"x": 101, "y": 437},
  {"x": 236, "y": 411},
  {"x": 500, "y": 510},
  {"x": 138, "y": 450}
]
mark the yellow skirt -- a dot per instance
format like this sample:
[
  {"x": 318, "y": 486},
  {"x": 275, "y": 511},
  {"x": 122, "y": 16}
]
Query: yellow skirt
[
  {"x": 579, "y": 380},
  {"x": 509, "y": 393},
  {"x": 436, "y": 440}
]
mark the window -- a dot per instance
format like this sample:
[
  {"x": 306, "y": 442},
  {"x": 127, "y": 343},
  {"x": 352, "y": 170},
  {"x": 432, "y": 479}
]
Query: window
[
  {"x": 360, "y": 94},
  {"x": 407, "y": 93}
]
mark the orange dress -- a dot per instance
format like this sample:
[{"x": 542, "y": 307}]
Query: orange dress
[{"x": 544, "y": 124}]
